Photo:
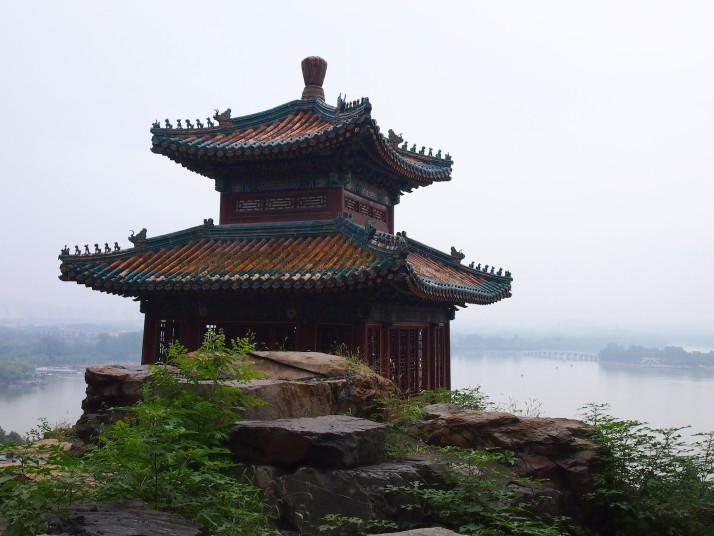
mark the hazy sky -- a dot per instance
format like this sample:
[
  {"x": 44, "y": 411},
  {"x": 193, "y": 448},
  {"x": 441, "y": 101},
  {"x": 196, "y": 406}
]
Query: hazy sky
[{"x": 582, "y": 135}]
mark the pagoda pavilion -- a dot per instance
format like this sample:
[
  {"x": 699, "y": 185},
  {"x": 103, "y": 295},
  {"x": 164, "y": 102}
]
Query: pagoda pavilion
[{"x": 304, "y": 256}]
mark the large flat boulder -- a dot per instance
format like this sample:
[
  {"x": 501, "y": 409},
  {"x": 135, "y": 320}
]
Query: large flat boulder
[
  {"x": 444, "y": 424},
  {"x": 329, "y": 441},
  {"x": 289, "y": 365}
]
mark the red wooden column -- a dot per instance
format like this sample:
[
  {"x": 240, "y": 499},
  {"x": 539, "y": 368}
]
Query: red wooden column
[
  {"x": 447, "y": 355},
  {"x": 150, "y": 341}
]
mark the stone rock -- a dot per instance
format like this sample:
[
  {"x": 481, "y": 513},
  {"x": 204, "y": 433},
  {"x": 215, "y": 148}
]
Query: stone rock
[
  {"x": 489, "y": 429},
  {"x": 114, "y": 385},
  {"x": 90, "y": 424},
  {"x": 309, "y": 494},
  {"x": 289, "y": 399},
  {"x": 329, "y": 441},
  {"x": 121, "y": 519},
  {"x": 299, "y": 365},
  {"x": 104, "y": 374},
  {"x": 555, "y": 452},
  {"x": 360, "y": 391},
  {"x": 43, "y": 446},
  {"x": 578, "y": 471},
  {"x": 435, "y": 411},
  {"x": 303, "y": 384},
  {"x": 108, "y": 386}
]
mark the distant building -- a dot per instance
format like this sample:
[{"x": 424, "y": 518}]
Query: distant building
[{"x": 305, "y": 256}]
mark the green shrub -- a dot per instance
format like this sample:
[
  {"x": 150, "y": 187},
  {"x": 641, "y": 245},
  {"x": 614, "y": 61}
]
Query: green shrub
[
  {"x": 651, "y": 481},
  {"x": 61, "y": 431},
  {"x": 44, "y": 479},
  {"x": 476, "y": 499},
  {"x": 404, "y": 409},
  {"x": 167, "y": 451},
  {"x": 354, "y": 362}
]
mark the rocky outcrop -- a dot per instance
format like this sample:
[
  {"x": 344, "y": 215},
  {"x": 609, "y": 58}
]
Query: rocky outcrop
[
  {"x": 312, "y": 460},
  {"x": 300, "y": 384},
  {"x": 329, "y": 441},
  {"x": 447, "y": 424},
  {"x": 554, "y": 451},
  {"x": 108, "y": 386}
]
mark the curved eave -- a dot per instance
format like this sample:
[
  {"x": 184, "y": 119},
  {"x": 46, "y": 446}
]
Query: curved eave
[
  {"x": 434, "y": 275},
  {"x": 195, "y": 152},
  {"x": 315, "y": 257},
  {"x": 294, "y": 130},
  {"x": 443, "y": 291},
  {"x": 318, "y": 256},
  {"x": 419, "y": 171},
  {"x": 327, "y": 283},
  {"x": 215, "y": 283}
]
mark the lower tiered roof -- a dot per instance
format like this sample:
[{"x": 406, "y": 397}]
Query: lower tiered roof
[{"x": 295, "y": 257}]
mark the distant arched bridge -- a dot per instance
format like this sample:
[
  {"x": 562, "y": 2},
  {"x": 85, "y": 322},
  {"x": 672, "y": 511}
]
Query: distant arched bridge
[
  {"x": 650, "y": 362},
  {"x": 562, "y": 355}
]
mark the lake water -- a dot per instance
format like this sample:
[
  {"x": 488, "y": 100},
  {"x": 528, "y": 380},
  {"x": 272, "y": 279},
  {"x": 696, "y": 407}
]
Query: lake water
[
  {"x": 57, "y": 400},
  {"x": 663, "y": 397}
]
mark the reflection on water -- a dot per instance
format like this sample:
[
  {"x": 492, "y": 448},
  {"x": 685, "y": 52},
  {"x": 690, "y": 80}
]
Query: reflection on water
[
  {"x": 663, "y": 397},
  {"x": 59, "y": 399}
]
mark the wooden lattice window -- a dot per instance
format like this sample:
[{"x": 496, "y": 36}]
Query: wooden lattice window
[
  {"x": 439, "y": 378},
  {"x": 277, "y": 336},
  {"x": 408, "y": 358},
  {"x": 168, "y": 333}
]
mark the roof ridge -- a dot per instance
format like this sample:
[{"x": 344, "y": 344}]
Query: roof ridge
[{"x": 228, "y": 123}]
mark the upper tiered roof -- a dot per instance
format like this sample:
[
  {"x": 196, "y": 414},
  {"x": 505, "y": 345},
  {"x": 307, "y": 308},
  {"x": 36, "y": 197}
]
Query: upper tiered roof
[
  {"x": 306, "y": 128},
  {"x": 302, "y": 256}
]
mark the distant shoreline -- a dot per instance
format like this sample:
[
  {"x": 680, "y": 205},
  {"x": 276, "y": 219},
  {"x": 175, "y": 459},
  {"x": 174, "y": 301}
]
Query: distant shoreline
[
  {"x": 627, "y": 364},
  {"x": 22, "y": 383}
]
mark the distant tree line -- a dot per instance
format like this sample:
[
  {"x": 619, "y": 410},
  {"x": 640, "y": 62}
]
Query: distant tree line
[
  {"x": 10, "y": 437},
  {"x": 23, "y": 349},
  {"x": 516, "y": 343},
  {"x": 669, "y": 355}
]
